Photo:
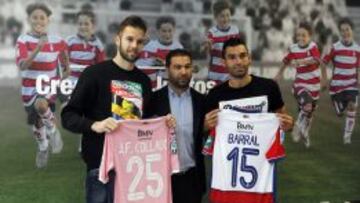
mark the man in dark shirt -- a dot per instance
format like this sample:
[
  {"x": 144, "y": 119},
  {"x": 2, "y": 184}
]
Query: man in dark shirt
[
  {"x": 103, "y": 94},
  {"x": 243, "y": 85}
]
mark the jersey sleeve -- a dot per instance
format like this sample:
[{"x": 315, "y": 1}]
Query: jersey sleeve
[
  {"x": 209, "y": 36},
  {"x": 208, "y": 148},
  {"x": 277, "y": 149},
  {"x": 147, "y": 55},
  {"x": 64, "y": 53},
  {"x": 69, "y": 43},
  {"x": 64, "y": 46},
  {"x": 315, "y": 53},
  {"x": 288, "y": 57},
  {"x": 99, "y": 52},
  {"x": 328, "y": 57},
  {"x": 107, "y": 160},
  {"x": 175, "y": 163},
  {"x": 21, "y": 51}
]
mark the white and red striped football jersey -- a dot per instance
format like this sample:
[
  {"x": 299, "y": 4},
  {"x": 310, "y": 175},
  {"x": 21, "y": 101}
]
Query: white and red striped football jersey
[
  {"x": 84, "y": 53},
  {"x": 246, "y": 148},
  {"x": 217, "y": 70},
  {"x": 44, "y": 63},
  {"x": 307, "y": 76},
  {"x": 257, "y": 104},
  {"x": 346, "y": 61},
  {"x": 152, "y": 51}
]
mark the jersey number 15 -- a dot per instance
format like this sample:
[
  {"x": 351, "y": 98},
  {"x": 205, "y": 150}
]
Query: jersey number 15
[{"x": 244, "y": 167}]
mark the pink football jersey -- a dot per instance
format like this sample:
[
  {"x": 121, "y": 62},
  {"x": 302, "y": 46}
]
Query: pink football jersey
[{"x": 143, "y": 155}]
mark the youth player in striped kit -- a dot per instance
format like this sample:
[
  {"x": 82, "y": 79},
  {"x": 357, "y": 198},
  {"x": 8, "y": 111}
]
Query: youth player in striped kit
[
  {"x": 345, "y": 57},
  {"x": 154, "y": 52},
  {"x": 305, "y": 57},
  {"x": 85, "y": 48},
  {"x": 38, "y": 53},
  {"x": 216, "y": 36}
]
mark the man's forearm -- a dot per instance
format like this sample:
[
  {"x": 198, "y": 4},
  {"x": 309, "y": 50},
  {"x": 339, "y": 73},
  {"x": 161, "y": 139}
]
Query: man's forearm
[{"x": 74, "y": 122}]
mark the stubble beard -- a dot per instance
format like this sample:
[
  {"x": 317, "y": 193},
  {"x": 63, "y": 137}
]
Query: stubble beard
[
  {"x": 125, "y": 56},
  {"x": 240, "y": 75}
]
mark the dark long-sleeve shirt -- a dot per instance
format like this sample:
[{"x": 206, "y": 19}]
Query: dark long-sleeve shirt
[{"x": 92, "y": 101}]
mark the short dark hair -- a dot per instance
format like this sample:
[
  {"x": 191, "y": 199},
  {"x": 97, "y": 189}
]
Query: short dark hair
[
  {"x": 176, "y": 52},
  {"x": 307, "y": 26},
  {"x": 32, "y": 7},
  {"x": 163, "y": 20},
  {"x": 346, "y": 21},
  {"x": 87, "y": 13},
  {"x": 133, "y": 21},
  {"x": 232, "y": 42},
  {"x": 219, "y": 6}
]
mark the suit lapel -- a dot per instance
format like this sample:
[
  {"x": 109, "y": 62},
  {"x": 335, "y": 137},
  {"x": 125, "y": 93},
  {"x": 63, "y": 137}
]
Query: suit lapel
[
  {"x": 165, "y": 97},
  {"x": 196, "y": 116}
]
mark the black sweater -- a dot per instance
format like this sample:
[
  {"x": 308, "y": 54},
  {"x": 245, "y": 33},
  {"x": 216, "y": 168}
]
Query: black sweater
[{"x": 91, "y": 101}]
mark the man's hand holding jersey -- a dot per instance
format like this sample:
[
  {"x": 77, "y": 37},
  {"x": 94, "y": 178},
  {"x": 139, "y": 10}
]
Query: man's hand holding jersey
[
  {"x": 110, "y": 124},
  {"x": 286, "y": 121},
  {"x": 105, "y": 126},
  {"x": 211, "y": 119}
]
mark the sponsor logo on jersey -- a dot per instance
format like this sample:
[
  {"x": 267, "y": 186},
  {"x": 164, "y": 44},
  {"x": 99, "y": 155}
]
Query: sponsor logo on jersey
[
  {"x": 242, "y": 126},
  {"x": 246, "y": 109},
  {"x": 144, "y": 134}
]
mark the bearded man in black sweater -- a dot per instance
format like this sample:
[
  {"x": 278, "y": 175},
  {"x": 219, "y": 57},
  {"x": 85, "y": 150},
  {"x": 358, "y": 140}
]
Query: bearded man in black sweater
[{"x": 105, "y": 92}]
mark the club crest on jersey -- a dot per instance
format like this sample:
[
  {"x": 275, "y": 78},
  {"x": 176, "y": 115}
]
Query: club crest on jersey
[{"x": 246, "y": 109}]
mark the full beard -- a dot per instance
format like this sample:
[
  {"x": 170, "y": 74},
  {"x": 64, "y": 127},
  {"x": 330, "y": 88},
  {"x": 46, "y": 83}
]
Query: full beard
[
  {"x": 181, "y": 84},
  {"x": 125, "y": 56}
]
